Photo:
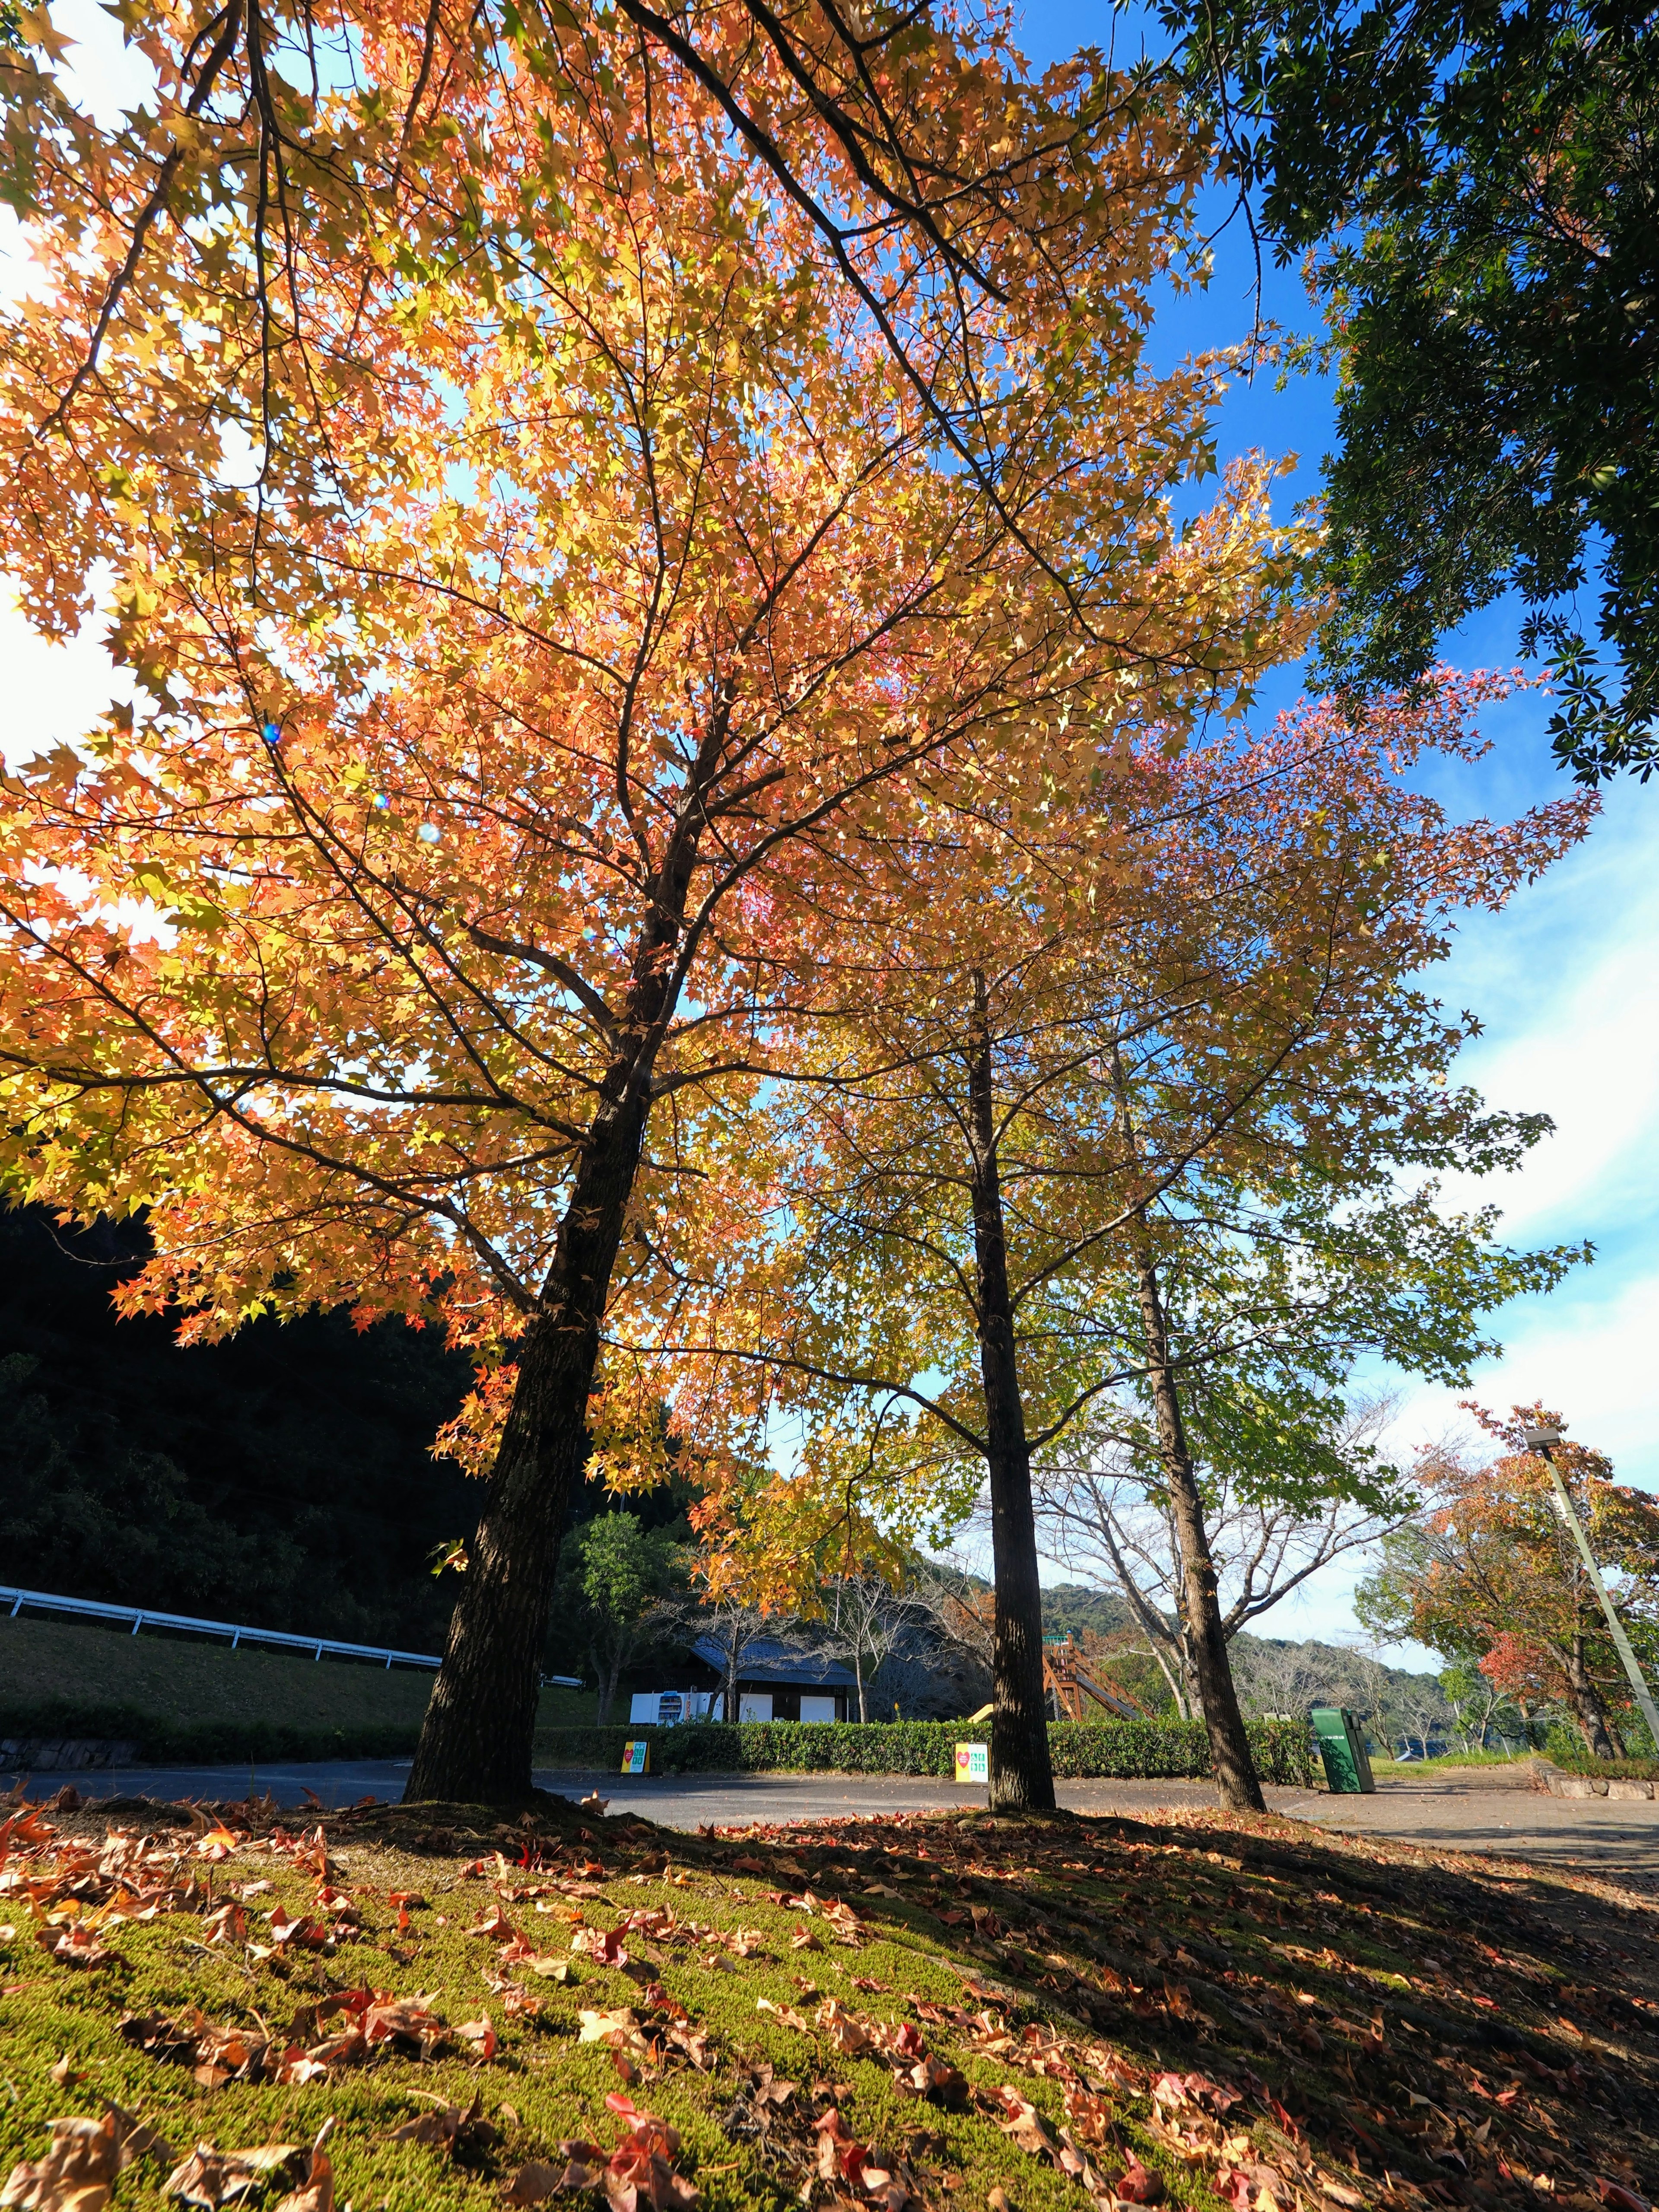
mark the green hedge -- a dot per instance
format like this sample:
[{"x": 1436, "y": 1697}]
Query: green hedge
[
  {"x": 207, "y": 1743},
  {"x": 1158, "y": 1750}
]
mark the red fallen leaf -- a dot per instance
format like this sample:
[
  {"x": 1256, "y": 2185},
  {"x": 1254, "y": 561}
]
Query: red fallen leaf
[
  {"x": 71, "y": 1947},
  {"x": 1136, "y": 2187},
  {"x": 285, "y": 1928},
  {"x": 845, "y": 2029},
  {"x": 297, "y": 2066},
  {"x": 495, "y": 1924},
  {"x": 933, "y": 2078},
  {"x": 1620, "y": 2199},
  {"x": 481, "y": 2035},
  {"x": 747, "y": 1866},
  {"x": 316, "y": 2193},
  {"x": 1234, "y": 2187},
  {"x": 406, "y": 2018},
  {"x": 227, "y": 1925}
]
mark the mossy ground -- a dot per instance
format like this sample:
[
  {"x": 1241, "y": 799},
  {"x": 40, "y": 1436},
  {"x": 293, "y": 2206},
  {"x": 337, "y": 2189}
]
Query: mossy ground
[{"x": 1400, "y": 2030}]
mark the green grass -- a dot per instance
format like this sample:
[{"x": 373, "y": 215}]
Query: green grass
[
  {"x": 1610, "y": 1770},
  {"x": 1452, "y": 1759},
  {"x": 1401, "y": 2031},
  {"x": 185, "y": 1697}
]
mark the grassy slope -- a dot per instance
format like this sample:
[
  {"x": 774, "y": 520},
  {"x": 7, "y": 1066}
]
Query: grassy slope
[
  {"x": 1403, "y": 2031},
  {"x": 66, "y": 1678}
]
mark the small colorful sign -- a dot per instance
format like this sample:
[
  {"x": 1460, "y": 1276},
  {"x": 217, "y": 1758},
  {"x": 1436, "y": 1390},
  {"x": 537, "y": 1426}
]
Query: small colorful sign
[
  {"x": 636, "y": 1758},
  {"x": 973, "y": 1762}
]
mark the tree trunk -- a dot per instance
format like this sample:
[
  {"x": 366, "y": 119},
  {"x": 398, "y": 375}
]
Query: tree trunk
[
  {"x": 608, "y": 1695},
  {"x": 1586, "y": 1704},
  {"x": 1021, "y": 1777},
  {"x": 1231, "y": 1762},
  {"x": 475, "y": 1744},
  {"x": 858, "y": 1676}
]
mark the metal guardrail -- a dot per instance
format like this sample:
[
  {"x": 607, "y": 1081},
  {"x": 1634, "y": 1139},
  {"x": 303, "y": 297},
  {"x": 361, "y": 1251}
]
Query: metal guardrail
[{"x": 146, "y": 1617}]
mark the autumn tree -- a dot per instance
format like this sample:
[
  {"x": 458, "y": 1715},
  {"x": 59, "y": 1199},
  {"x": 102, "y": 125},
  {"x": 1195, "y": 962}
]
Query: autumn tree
[
  {"x": 536, "y": 562},
  {"x": 1272, "y": 1518},
  {"x": 1488, "y": 1573},
  {"x": 1123, "y": 1114}
]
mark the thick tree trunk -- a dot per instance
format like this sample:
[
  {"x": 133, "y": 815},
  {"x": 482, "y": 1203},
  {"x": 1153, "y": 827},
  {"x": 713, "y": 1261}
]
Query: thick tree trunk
[
  {"x": 475, "y": 1744},
  {"x": 1022, "y": 1776},
  {"x": 1230, "y": 1748},
  {"x": 1586, "y": 1704}
]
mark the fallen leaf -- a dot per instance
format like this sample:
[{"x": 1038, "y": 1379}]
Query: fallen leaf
[
  {"x": 212, "y": 2177},
  {"x": 532, "y": 2183},
  {"x": 76, "y": 2174},
  {"x": 316, "y": 2192},
  {"x": 450, "y": 2127},
  {"x": 71, "y": 1947}
]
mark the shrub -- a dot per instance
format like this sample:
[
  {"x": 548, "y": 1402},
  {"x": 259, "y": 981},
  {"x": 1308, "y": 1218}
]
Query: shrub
[
  {"x": 163, "y": 1742},
  {"x": 1157, "y": 1750}
]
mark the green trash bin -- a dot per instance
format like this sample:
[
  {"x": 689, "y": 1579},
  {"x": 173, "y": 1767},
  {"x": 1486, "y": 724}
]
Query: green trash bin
[{"x": 1341, "y": 1743}]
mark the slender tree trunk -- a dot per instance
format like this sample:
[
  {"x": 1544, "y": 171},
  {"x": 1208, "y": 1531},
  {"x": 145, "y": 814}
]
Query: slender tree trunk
[
  {"x": 1587, "y": 1706},
  {"x": 1164, "y": 1644},
  {"x": 475, "y": 1744},
  {"x": 858, "y": 1676},
  {"x": 1230, "y": 1748},
  {"x": 1021, "y": 1777}
]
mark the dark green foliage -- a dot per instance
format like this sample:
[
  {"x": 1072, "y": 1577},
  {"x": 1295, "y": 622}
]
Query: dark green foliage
[
  {"x": 1068, "y": 1608},
  {"x": 1479, "y": 186},
  {"x": 1161, "y": 1750},
  {"x": 284, "y": 1479},
  {"x": 212, "y": 1742}
]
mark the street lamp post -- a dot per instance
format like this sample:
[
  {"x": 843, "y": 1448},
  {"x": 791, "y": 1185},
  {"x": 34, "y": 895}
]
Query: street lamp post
[{"x": 1543, "y": 1441}]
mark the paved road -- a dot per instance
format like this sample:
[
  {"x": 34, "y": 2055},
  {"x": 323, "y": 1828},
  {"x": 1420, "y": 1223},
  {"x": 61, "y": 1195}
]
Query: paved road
[{"x": 1488, "y": 1810}]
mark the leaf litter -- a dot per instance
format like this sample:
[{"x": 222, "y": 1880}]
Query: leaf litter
[{"x": 1220, "y": 2014}]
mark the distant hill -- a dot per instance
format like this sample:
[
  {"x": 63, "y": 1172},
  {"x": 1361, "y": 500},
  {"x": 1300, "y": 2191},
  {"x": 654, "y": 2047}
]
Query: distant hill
[{"x": 1070, "y": 1608}]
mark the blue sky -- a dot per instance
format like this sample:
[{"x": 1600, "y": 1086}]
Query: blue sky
[{"x": 1565, "y": 981}]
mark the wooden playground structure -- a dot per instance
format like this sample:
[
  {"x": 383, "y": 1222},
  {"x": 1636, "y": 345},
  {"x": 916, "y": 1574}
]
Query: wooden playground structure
[{"x": 1066, "y": 1678}]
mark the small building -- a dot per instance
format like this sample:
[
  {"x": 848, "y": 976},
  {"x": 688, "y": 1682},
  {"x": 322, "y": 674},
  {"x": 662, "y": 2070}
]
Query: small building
[{"x": 776, "y": 1681}]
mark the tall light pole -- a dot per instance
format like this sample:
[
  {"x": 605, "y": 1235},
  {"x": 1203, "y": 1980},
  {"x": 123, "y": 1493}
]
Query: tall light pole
[{"x": 1543, "y": 1441}]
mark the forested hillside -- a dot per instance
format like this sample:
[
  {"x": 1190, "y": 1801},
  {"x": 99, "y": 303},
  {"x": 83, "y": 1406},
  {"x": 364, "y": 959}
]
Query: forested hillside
[{"x": 284, "y": 1478}]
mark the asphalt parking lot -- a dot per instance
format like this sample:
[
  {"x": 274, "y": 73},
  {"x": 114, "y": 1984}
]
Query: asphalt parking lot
[{"x": 1486, "y": 1810}]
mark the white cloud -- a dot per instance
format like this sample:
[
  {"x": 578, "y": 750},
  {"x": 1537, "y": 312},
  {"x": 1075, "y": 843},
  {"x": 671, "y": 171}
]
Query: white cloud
[{"x": 1566, "y": 982}]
